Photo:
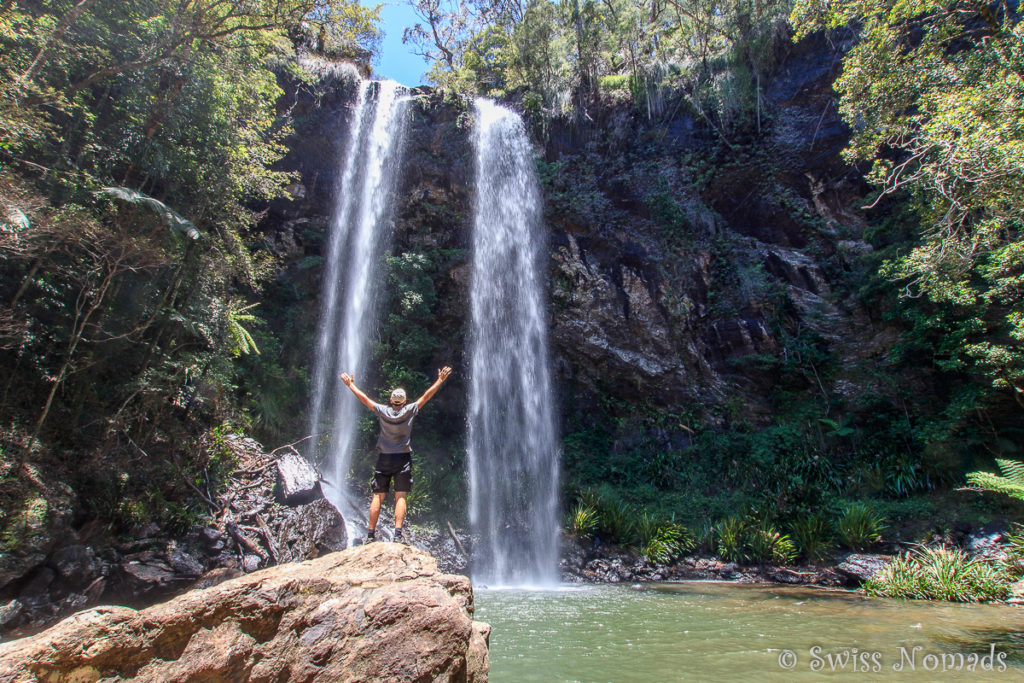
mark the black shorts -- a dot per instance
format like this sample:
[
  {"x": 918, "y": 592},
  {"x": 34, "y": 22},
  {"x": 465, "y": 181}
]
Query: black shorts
[{"x": 396, "y": 465}]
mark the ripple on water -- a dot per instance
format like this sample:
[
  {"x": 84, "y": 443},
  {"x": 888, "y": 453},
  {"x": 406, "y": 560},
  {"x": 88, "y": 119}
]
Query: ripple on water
[{"x": 720, "y": 631}]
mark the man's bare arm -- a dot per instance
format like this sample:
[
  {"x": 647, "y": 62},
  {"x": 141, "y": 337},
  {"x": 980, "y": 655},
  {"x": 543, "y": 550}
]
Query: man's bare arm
[
  {"x": 442, "y": 375},
  {"x": 350, "y": 382}
]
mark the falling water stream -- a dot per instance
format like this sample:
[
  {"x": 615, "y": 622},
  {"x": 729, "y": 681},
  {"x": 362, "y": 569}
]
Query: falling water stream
[
  {"x": 360, "y": 233},
  {"x": 511, "y": 445}
]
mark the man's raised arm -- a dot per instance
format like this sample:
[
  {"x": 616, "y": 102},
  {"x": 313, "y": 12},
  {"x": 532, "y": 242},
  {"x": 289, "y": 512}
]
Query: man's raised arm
[
  {"x": 350, "y": 382},
  {"x": 442, "y": 375}
]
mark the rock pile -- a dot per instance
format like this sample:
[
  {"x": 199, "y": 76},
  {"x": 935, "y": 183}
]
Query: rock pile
[{"x": 272, "y": 512}]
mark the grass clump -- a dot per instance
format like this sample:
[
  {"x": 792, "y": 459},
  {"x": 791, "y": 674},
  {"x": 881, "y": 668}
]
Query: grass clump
[
  {"x": 813, "y": 536},
  {"x": 859, "y": 526},
  {"x": 730, "y": 536},
  {"x": 583, "y": 519},
  {"x": 939, "y": 574},
  {"x": 768, "y": 545},
  {"x": 662, "y": 540}
]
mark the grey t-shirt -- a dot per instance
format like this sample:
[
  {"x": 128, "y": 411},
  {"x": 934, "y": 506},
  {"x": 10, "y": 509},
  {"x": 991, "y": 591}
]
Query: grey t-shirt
[{"x": 395, "y": 427}]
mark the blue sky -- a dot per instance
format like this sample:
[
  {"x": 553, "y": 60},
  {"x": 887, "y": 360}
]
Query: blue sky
[{"x": 396, "y": 61}]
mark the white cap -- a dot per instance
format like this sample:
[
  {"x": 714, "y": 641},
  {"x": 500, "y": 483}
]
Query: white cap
[{"x": 398, "y": 395}]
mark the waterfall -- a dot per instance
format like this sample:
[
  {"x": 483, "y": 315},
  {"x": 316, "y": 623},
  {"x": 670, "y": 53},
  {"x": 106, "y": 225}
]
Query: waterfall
[
  {"x": 512, "y": 450},
  {"x": 360, "y": 233}
]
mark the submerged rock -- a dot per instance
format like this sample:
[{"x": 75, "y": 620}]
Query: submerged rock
[{"x": 375, "y": 612}]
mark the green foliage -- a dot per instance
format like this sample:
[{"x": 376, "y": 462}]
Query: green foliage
[
  {"x": 180, "y": 227},
  {"x": 931, "y": 91},
  {"x": 133, "y": 335},
  {"x": 662, "y": 540},
  {"x": 859, "y": 526},
  {"x": 568, "y": 54},
  {"x": 813, "y": 536},
  {"x": 615, "y": 519},
  {"x": 1014, "y": 563},
  {"x": 582, "y": 521},
  {"x": 1010, "y": 484},
  {"x": 768, "y": 545},
  {"x": 938, "y": 574},
  {"x": 243, "y": 341},
  {"x": 731, "y": 536},
  {"x": 407, "y": 344}
]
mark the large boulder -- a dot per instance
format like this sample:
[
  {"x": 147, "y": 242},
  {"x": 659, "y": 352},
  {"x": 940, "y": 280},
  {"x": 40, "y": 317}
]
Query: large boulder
[
  {"x": 38, "y": 510},
  {"x": 298, "y": 481},
  {"x": 859, "y": 567},
  {"x": 375, "y": 612}
]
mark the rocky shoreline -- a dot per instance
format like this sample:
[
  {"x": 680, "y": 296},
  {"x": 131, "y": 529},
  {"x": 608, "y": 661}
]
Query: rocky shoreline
[{"x": 275, "y": 514}]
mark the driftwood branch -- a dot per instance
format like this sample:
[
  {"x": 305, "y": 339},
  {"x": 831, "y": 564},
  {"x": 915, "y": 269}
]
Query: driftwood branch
[
  {"x": 458, "y": 543},
  {"x": 268, "y": 537},
  {"x": 244, "y": 541}
]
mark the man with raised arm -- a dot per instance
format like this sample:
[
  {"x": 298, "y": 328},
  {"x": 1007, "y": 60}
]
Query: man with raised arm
[{"x": 394, "y": 459}]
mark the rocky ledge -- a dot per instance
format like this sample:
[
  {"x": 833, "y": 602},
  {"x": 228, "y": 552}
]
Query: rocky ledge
[{"x": 370, "y": 613}]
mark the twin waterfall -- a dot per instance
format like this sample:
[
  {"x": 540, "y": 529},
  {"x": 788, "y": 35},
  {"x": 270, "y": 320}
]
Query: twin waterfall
[
  {"x": 511, "y": 446},
  {"x": 512, "y": 451},
  {"x": 360, "y": 234}
]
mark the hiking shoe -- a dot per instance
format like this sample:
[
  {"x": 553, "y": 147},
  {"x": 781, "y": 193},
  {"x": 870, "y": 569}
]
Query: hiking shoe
[
  {"x": 399, "y": 536},
  {"x": 370, "y": 537}
]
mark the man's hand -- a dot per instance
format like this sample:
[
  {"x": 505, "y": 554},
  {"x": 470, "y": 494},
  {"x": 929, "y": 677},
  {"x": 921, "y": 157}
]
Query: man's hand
[
  {"x": 347, "y": 379},
  {"x": 442, "y": 375}
]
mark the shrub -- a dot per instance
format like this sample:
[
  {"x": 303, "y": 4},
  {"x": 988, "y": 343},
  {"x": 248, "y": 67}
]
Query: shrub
[
  {"x": 662, "y": 540},
  {"x": 617, "y": 520},
  {"x": 768, "y": 545},
  {"x": 939, "y": 574},
  {"x": 1013, "y": 566},
  {"x": 731, "y": 539},
  {"x": 582, "y": 520},
  {"x": 705, "y": 535},
  {"x": 813, "y": 535},
  {"x": 859, "y": 526}
]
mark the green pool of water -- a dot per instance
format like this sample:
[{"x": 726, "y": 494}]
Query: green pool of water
[{"x": 727, "y": 632}]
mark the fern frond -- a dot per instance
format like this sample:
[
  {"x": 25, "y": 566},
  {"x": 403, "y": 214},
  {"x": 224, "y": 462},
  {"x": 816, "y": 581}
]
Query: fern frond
[
  {"x": 1012, "y": 470},
  {"x": 180, "y": 226},
  {"x": 244, "y": 343},
  {"x": 1011, "y": 485}
]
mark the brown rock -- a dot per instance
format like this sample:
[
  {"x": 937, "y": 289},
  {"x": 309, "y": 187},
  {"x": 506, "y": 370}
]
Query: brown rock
[{"x": 370, "y": 613}]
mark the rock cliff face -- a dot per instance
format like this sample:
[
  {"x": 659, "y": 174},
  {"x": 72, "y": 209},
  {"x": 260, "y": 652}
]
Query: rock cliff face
[
  {"x": 371, "y": 613},
  {"x": 680, "y": 261}
]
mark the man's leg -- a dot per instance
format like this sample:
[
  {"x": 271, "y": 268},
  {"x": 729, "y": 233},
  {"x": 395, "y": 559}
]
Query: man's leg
[
  {"x": 375, "y": 503},
  {"x": 403, "y": 484},
  {"x": 400, "y": 505}
]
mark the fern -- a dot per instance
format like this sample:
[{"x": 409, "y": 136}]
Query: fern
[
  {"x": 1011, "y": 483},
  {"x": 180, "y": 226},
  {"x": 244, "y": 343}
]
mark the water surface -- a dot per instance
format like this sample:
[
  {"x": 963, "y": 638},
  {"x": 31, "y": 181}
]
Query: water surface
[{"x": 728, "y": 632}]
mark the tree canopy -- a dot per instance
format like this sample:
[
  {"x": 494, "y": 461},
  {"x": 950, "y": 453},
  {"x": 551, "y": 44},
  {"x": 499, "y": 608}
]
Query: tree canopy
[{"x": 934, "y": 93}]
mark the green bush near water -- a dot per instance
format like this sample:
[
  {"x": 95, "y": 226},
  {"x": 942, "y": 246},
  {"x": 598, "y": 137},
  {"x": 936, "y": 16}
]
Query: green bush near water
[
  {"x": 813, "y": 536},
  {"x": 939, "y": 574},
  {"x": 859, "y": 526},
  {"x": 582, "y": 521},
  {"x": 662, "y": 540},
  {"x": 767, "y": 544},
  {"x": 730, "y": 537}
]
